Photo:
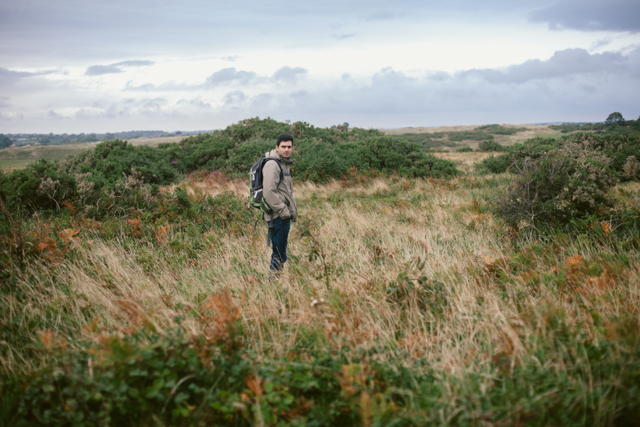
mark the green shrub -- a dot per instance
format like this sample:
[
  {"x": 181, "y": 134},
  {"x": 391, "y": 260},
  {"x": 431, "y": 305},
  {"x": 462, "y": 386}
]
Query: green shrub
[
  {"x": 117, "y": 176},
  {"x": 472, "y": 135},
  {"x": 497, "y": 164},
  {"x": 464, "y": 150},
  {"x": 617, "y": 147},
  {"x": 490, "y": 146},
  {"x": 557, "y": 186},
  {"x": 500, "y": 130}
]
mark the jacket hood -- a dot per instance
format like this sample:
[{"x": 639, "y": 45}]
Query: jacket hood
[{"x": 273, "y": 154}]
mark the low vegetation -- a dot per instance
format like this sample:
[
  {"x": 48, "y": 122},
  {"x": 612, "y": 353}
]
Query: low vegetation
[
  {"x": 117, "y": 175},
  {"x": 416, "y": 292},
  {"x": 484, "y": 134},
  {"x": 615, "y": 123}
]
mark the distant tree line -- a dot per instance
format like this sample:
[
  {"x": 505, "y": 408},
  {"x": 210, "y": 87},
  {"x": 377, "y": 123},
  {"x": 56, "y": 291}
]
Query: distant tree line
[{"x": 614, "y": 123}]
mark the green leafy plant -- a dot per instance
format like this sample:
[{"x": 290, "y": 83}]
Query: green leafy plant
[{"x": 559, "y": 185}]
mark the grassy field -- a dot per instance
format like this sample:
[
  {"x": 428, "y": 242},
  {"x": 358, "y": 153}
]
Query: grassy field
[
  {"x": 19, "y": 157},
  {"x": 530, "y": 131},
  {"x": 9, "y": 165},
  {"x": 431, "y": 311}
]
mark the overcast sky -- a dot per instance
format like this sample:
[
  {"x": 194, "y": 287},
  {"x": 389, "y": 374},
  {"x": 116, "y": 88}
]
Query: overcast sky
[{"x": 102, "y": 66}]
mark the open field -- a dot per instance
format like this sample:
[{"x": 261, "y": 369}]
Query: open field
[
  {"x": 432, "y": 310},
  {"x": 9, "y": 165},
  {"x": 19, "y": 157},
  {"x": 531, "y": 131}
]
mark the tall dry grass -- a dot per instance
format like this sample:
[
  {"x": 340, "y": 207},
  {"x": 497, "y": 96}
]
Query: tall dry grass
[{"x": 459, "y": 301}]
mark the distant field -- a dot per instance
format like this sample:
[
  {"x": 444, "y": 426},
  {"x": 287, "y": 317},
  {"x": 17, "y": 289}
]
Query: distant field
[
  {"x": 9, "y": 165},
  {"x": 530, "y": 132},
  {"x": 19, "y": 157}
]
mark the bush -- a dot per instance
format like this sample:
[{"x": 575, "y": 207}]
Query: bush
[
  {"x": 490, "y": 146},
  {"x": 558, "y": 186},
  {"x": 464, "y": 150},
  {"x": 120, "y": 175},
  {"x": 497, "y": 164},
  {"x": 617, "y": 147}
]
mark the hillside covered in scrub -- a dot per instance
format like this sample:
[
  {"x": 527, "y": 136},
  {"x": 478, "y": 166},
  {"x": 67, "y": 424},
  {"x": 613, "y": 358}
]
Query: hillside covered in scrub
[
  {"x": 495, "y": 287},
  {"x": 99, "y": 179}
]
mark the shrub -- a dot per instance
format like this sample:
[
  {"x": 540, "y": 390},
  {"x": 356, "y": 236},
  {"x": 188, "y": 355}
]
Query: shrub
[
  {"x": 118, "y": 175},
  {"x": 631, "y": 169},
  {"x": 617, "y": 147},
  {"x": 464, "y": 150},
  {"x": 389, "y": 155},
  {"x": 557, "y": 186},
  {"x": 490, "y": 146},
  {"x": 497, "y": 164}
]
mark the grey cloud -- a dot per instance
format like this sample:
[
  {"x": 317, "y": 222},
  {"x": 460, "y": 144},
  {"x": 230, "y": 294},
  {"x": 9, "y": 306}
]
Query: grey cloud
[
  {"x": 438, "y": 76},
  {"x": 99, "y": 70},
  {"x": 147, "y": 87},
  {"x": 196, "y": 102},
  {"x": 4, "y": 72},
  {"x": 230, "y": 75},
  {"x": 106, "y": 109},
  {"x": 262, "y": 100},
  {"x": 10, "y": 77},
  {"x": 235, "y": 97},
  {"x": 591, "y": 15},
  {"x": 390, "y": 78},
  {"x": 168, "y": 86},
  {"x": 133, "y": 63},
  {"x": 288, "y": 75},
  {"x": 53, "y": 115},
  {"x": 563, "y": 63},
  {"x": 392, "y": 98},
  {"x": 219, "y": 78},
  {"x": 600, "y": 43}
]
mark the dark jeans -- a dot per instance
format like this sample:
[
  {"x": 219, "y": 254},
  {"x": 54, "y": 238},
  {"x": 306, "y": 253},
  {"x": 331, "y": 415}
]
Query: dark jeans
[{"x": 277, "y": 238}]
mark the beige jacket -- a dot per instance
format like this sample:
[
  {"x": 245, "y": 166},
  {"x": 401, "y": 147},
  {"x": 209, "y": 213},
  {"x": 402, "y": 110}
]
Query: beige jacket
[{"x": 278, "y": 195}]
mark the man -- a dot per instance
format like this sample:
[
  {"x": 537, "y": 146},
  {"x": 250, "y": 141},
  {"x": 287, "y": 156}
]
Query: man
[{"x": 278, "y": 193}]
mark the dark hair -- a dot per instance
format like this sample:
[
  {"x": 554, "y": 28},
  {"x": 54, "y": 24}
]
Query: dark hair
[{"x": 284, "y": 137}]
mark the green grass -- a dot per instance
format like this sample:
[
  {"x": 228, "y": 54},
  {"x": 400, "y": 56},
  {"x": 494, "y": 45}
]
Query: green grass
[
  {"x": 9, "y": 165},
  {"x": 49, "y": 152}
]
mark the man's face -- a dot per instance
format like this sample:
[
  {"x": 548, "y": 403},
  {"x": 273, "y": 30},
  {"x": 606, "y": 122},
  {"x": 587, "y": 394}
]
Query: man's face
[{"x": 284, "y": 149}]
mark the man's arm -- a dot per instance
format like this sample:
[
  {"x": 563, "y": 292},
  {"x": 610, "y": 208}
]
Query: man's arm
[{"x": 270, "y": 180}]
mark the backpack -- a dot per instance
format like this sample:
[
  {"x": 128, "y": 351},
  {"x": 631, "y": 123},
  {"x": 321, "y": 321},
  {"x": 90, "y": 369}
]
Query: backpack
[{"x": 256, "y": 198}]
